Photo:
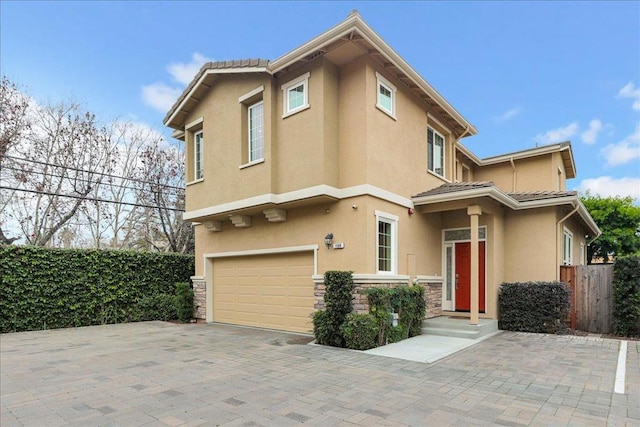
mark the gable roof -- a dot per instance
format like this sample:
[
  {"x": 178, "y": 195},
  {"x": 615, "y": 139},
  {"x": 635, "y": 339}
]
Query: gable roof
[
  {"x": 564, "y": 148},
  {"x": 451, "y": 192},
  {"x": 353, "y": 29}
]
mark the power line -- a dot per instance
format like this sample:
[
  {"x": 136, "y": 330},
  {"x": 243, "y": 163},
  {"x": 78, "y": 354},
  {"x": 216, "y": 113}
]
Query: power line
[
  {"x": 93, "y": 199},
  {"x": 82, "y": 180},
  {"x": 90, "y": 171}
]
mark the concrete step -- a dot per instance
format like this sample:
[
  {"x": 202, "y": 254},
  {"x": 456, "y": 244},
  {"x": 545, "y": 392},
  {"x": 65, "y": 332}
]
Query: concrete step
[{"x": 459, "y": 328}]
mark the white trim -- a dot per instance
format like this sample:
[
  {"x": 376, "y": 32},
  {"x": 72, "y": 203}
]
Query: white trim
[
  {"x": 195, "y": 181},
  {"x": 304, "y": 193},
  {"x": 198, "y": 174},
  {"x": 255, "y": 162},
  {"x": 197, "y": 277},
  {"x": 178, "y": 134},
  {"x": 430, "y": 119},
  {"x": 566, "y": 232},
  {"x": 269, "y": 251},
  {"x": 204, "y": 76},
  {"x": 291, "y": 84},
  {"x": 194, "y": 123},
  {"x": 429, "y": 279},
  {"x": 380, "y": 278},
  {"x": 250, "y": 109},
  {"x": 382, "y": 81},
  {"x": 444, "y": 153},
  {"x": 392, "y": 220},
  {"x": 582, "y": 256},
  {"x": 251, "y": 94}
]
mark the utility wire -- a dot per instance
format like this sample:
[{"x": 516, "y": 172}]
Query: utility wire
[
  {"x": 82, "y": 180},
  {"x": 87, "y": 171},
  {"x": 93, "y": 199}
]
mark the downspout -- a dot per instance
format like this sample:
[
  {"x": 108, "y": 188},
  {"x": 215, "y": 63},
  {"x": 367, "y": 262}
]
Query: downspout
[
  {"x": 559, "y": 247},
  {"x": 515, "y": 173}
]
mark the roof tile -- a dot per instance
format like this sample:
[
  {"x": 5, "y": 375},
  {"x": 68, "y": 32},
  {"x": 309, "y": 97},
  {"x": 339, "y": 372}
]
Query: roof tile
[{"x": 452, "y": 187}]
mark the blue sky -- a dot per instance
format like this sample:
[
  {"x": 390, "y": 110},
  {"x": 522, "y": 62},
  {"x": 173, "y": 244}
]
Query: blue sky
[{"x": 524, "y": 73}]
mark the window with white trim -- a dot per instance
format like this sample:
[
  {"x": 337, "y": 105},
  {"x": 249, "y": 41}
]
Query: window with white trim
[
  {"x": 295, "y": 95},
  {"x": 567, "y": 247},
  {"x": 386, "y": 243},
  {"x": 582, "y": 253},
  {"x": 198, "y": 143},
  {"x": 385, "y": 95},
  {"x": 256, "y": 131},
  {"x": 435, "y": 152}
]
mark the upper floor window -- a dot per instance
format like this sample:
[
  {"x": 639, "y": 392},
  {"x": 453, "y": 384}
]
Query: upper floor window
[
  {"x": 198, "y": 142},
  {"x": 386, "y": 243},
  {"x": 295, "y": 95},
  {"x": 386, "y": 96},
  {"x": 567, "y": 247},
  {"x": 435, "y": 152},
  {"x": 255, "y": 131}
]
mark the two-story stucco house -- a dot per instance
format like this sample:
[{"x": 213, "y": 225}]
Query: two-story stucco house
[{"x": 339, "y": 156}]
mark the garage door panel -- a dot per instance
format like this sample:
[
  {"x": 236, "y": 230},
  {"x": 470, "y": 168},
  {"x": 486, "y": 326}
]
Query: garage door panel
[{"x": 271, "y": 291}]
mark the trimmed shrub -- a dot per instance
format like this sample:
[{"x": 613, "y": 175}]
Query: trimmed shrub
[
  {"x": 626, "y": 295},
  {"x": 407, "y": 301},
  {"x": 156, "y": 307},
  {"x": 42, "y": 288},
  {"x": 360, "y": 331},
  {"x": 534, "y": 306},
  {"x": 184, "y": 302},
  {"x": 338, "y": 299}
]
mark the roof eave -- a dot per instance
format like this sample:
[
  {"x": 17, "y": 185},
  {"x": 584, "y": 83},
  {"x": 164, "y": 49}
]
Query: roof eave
[{"x": 355, "y": 22}]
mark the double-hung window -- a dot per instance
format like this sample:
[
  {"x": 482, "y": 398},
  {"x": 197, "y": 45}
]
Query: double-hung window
[
  {"x": 198, "y": 142},
  {"x": 435, "y": 152},
  {"x": 255, "y": 131},
  {"x": 567, "y": 247},
  {"x": 386, "y": 243},
  {"x": 295, "y": 95},
  {"x": 386, "y": 96}
]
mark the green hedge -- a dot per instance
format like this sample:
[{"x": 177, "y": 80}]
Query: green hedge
[
  {"x": 338, "y": 300},
  {"x": 44, "y": 288},
  {"x": 534, "y": 306},
  {"x": 626, "y": 295},
  {"x": 407, "y": 301}
]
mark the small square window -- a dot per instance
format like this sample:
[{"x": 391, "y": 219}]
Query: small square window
[
  {"x": 295, "y": 95},
  {"x": 386, "y": 96}
]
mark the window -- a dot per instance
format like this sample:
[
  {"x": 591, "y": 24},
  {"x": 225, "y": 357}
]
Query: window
[
  {"x": 435, "y": 152},
  {"x": 295, "y": 95},
  {"x": 567, "y": 248},
  {"x": 386, "y": 96},
  {"x": 198, "y": 140},
  {"x": 582, "y": 253},
  {"x": 256, "y": 139},
  {"x": 386, "y": 243}
]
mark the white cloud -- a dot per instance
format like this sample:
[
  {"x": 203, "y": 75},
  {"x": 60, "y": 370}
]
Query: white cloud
[
  {"x": 624, "y": 151},
  {"x": 630, "y": 91},
  {"x": 590, "y": 135},
  {"x": 160, "y": 96},
  {"x": 507, "y": 115},
  {"x": 183, "y": 73},
  {"x": 560, "y": 134},
  {"x": 606, "y": 186}
]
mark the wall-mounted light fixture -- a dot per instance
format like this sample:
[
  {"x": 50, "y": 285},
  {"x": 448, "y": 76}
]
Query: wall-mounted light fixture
[{"x": 328, "y": 240}]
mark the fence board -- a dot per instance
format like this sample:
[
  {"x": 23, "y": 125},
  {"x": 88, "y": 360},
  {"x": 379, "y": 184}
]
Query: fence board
[{"x": 592, "y": 297}]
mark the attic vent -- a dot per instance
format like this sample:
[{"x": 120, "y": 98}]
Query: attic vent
[{"x": 314, "y": 55}]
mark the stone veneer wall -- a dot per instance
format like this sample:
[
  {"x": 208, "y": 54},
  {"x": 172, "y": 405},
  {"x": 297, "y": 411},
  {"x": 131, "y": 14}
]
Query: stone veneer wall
[
  {"x": 199, "y": 297},
  {"x": 433, "y": 296}
]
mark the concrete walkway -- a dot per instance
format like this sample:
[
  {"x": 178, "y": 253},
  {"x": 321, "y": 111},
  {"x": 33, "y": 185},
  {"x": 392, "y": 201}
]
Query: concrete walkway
[{"x": 159, "y": 374}]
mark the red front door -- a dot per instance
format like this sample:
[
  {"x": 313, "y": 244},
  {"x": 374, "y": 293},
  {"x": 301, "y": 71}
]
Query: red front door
[{"x": 463, "y": 276}]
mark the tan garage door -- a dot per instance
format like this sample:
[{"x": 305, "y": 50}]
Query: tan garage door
[{"x": 268, "y": 291}]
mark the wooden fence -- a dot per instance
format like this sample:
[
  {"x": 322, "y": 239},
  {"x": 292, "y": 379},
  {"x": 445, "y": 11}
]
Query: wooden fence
[{"x": 592, "y": 297}]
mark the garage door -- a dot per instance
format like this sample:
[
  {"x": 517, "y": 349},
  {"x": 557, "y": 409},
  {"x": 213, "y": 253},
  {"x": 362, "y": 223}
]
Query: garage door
[{"x": 268, "y": 291}]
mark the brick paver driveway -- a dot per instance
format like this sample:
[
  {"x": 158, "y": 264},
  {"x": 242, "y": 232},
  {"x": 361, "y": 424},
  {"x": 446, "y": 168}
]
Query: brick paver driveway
[{"x": 159, "y": 373}]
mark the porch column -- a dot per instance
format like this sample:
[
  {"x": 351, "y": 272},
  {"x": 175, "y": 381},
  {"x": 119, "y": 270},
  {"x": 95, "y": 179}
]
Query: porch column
[{"x": 474, "y": 213}]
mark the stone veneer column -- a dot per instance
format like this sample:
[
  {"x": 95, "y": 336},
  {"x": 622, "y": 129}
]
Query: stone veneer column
[{"x": 199, "y": 297}]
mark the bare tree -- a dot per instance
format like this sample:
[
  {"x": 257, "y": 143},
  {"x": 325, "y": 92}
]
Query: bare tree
[
  {"x": 62, "y": 159},
  {"x": 14, "y": 123},
  {"x": 163, "y": 168}
]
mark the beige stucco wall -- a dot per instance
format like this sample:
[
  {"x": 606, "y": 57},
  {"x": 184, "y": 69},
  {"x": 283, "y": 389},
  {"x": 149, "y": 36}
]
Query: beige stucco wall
[{"x": 531, "y": 174}]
